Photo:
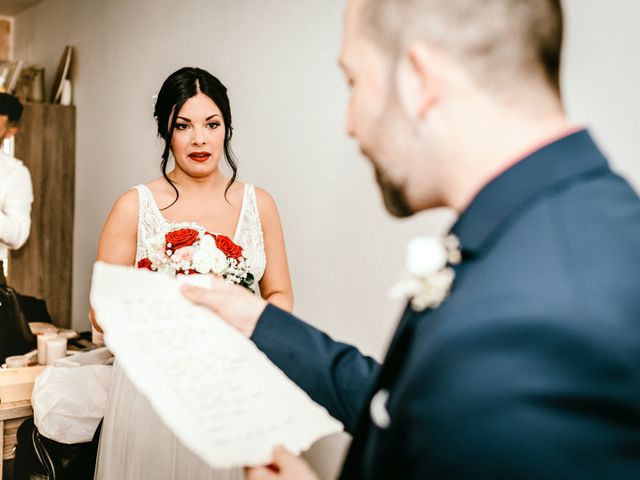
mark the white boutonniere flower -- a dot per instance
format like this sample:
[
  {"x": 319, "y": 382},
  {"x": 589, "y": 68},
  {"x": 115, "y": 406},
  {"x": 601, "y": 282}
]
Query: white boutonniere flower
[{"x": 428, "y": 276}]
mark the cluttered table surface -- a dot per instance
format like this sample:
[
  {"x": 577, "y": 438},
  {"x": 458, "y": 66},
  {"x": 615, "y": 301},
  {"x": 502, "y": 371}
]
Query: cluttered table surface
[{"x": 16, "y": 384}]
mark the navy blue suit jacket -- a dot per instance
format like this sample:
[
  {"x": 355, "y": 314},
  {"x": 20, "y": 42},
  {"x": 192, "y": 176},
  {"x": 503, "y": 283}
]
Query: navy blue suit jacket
[{"x": 531, "y": 368}]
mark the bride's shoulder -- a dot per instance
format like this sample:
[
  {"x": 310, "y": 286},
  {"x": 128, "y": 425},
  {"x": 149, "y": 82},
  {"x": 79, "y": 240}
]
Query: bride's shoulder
[
  {"x": 124, "y": 211},
  {"x": 262, "y": 195},
  {"x": 266, "y": 204},
  {"x": 128, "y": 202},
  {"x": 157, "y": 187}
]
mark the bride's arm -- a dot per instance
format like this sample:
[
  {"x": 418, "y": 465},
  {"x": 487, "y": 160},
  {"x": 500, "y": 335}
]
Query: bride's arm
[
  {"x": 275, "y": 285},
  {"x": 117, "y": 243}
]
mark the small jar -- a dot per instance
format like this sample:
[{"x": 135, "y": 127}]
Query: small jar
[{"x": 17, "y": 361}]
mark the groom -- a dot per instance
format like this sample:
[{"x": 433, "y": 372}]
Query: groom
[{"x": 531, "y": 367}]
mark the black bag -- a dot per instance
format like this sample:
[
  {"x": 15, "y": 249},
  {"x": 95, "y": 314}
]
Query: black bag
[
  {"x": 15, "y": 335},
  {"x": 41, "y": 458},
  {"x": 34, "y": 309}
]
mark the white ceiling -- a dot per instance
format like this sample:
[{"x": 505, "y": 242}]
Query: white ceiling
[{"x": 9, "y": 8}]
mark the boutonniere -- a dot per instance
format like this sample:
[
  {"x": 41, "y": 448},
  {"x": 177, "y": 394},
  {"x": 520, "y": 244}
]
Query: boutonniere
[{"x": 428, "y": 274}]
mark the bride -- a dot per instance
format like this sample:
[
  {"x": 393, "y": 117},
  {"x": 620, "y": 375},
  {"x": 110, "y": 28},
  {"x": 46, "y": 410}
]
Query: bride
[{"x": 194, "y": 119}]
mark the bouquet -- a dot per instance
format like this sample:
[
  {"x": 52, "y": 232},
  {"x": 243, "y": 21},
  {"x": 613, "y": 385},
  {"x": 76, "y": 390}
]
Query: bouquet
[{"x": 187, "y": 248}]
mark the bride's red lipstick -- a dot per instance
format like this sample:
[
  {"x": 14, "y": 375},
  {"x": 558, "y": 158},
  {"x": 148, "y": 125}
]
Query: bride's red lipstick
[{"x": 199, "y": 156}]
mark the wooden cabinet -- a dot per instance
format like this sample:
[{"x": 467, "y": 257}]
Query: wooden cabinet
[
  {"x": 12, "y": 414},
  {"x": 44, "y": 266}
]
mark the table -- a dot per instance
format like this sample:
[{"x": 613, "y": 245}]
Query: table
[{"x": 12, "y": 414}]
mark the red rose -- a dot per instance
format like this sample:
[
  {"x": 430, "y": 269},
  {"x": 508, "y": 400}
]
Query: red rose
[
  {"x": 145, "y": 263},
  {"x": 184, "y": 237},
  {"x": 226, "y": 245}
]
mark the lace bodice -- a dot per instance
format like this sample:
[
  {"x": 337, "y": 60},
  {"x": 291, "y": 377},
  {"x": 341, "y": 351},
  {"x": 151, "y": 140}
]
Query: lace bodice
[{"x": 248, "y": 232}]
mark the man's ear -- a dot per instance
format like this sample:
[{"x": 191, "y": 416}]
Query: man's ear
[
  {"x": 11, "y": 131},
  {"x": 420, "y": 79}
]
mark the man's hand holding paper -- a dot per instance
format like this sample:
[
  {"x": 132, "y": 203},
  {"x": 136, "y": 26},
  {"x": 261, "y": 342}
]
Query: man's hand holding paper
[{"x": 235, "y": 305}]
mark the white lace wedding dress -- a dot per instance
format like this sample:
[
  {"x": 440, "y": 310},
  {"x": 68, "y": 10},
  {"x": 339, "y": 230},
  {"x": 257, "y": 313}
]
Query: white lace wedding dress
[{"x": 135, "y": 444}]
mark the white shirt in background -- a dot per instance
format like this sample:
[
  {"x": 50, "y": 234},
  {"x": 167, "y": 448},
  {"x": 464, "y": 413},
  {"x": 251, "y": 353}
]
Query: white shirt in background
[{"x": 16, "y": 197}]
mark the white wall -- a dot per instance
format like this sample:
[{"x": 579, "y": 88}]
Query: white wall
[
  {"x": 278, "y": 60},
  {"x": 601, "y": 76}
]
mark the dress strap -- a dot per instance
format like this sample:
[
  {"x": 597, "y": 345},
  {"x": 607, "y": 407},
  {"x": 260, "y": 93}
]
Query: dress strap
[
  {"x": 150, "y": 219},
  {"x": 146, "y": 203},
  {"x": 249, "y": 235},
  {"x": 250, "y": 213}
]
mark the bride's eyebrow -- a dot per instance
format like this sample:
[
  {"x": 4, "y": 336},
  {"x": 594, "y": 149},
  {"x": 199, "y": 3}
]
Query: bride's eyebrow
[{"x": 189, "y": 120}]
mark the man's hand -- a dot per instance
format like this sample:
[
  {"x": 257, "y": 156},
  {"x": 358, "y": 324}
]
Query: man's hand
[
  {"x": 284, "y": 466},
  {"x": 235, "y": 304}
]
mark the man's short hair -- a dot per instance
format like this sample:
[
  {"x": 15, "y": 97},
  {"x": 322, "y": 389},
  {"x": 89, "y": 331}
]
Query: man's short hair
[
  {"x": 498, "y": 41},
  {"x": 11, "y": 107}
]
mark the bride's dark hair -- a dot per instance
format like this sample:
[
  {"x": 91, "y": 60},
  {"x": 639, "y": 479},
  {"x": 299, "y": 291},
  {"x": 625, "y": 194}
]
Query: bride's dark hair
[{"x": 179, "y": 87}]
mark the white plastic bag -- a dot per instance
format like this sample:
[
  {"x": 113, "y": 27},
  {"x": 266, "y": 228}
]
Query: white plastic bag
[{"x": 68, "y": 403}]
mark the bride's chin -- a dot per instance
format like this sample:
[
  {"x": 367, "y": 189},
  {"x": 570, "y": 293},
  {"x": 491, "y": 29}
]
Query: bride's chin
[
  {"x": 201, "y": 170},
  {"x": 199, "y": 173}
]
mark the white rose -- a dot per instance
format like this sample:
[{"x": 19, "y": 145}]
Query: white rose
[
  {"x": 202, "y": 261},
  {"x": 209, "y": 261},
  {"x": 207, "y": 243},
  {"x": 425, "y": 255},
  {"x": 219, "y": 262}
]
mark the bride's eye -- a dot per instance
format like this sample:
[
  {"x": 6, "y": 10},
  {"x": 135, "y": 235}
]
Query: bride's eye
[
  {"x": 213, "y": 125},
  {"x": 181, "y": 126}
]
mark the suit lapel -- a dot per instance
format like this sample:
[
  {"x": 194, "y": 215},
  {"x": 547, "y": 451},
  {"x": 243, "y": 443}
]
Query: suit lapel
[{"x": 396, "y": 354}]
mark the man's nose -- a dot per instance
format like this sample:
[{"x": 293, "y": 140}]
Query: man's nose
[{"x": 350, "y": 123}]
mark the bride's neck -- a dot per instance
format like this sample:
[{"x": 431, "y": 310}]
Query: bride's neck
[{"x": 187, "y": 182}]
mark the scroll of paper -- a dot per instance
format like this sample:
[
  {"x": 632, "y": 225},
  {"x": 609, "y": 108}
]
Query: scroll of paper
[{"x": 219, "y": 394}]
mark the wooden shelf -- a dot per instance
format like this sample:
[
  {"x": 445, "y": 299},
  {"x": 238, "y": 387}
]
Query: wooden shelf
[{"x": 44, "y": 266}]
